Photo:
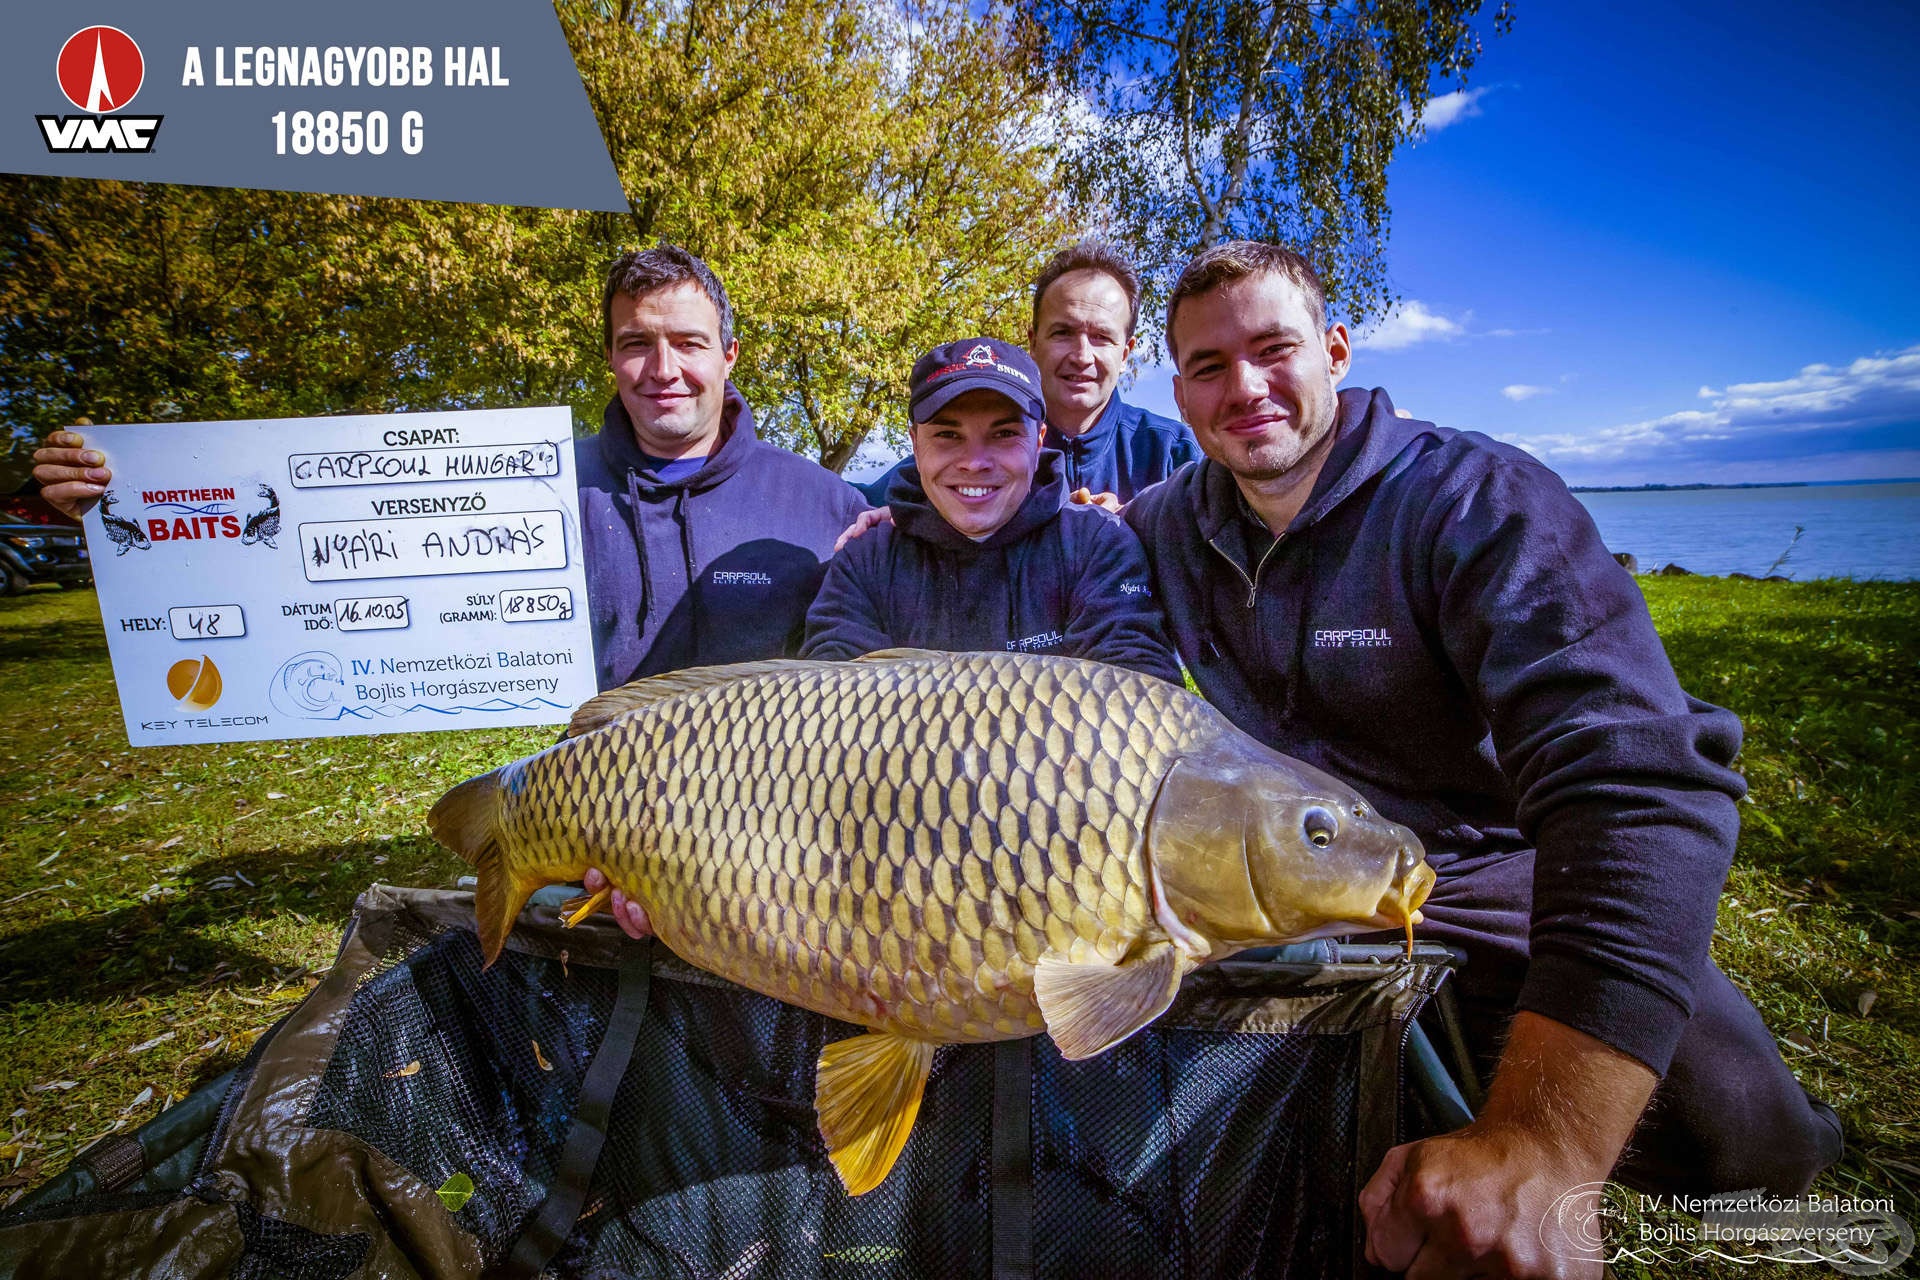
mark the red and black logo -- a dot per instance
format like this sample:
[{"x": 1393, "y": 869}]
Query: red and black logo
[{"x": 100, "y": 70}]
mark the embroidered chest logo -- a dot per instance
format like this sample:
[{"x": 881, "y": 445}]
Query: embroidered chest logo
[
  {"x": 1358, "y": 638},
  {"x": 740, "y": 578},
  {"x": 1037, "y": 643}
]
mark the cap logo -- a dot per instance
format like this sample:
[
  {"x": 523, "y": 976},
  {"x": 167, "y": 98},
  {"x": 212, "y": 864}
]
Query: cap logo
[{"x": 982, "y": 354}]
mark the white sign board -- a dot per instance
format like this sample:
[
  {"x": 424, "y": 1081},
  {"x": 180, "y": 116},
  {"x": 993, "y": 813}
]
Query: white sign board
[{"x": 308, "y": 577}]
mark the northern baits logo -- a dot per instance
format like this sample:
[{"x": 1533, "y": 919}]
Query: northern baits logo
[
  {"x": 195, "y": 682},
  {"x": 194, "y": 515},
  {"x": 100, "y": 69}
]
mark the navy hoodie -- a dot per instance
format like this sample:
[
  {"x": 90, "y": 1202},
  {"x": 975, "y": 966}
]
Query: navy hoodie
[
  {"x": 718, "y": 566},
  {"x": 1124, "y": 451},
  {"x": 1057, "y": 578},
  {"x": 1442, "y": 626}
]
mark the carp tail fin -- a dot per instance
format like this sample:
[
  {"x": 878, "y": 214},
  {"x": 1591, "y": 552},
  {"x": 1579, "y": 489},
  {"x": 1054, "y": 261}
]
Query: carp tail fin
[
  {"x": 867, "y": 1093},
  {"x": 467, "y": 821}
]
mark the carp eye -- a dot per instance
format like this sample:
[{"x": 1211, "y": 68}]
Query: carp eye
[{"x": 1319, "y": 826}]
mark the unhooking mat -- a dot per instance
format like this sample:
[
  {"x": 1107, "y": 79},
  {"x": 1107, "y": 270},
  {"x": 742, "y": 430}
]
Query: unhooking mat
[{"x": 1230, "y": 1138}]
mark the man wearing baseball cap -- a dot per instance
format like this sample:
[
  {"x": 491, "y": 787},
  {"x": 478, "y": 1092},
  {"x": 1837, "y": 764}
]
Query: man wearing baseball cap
[{"x": 984, "y": 552}]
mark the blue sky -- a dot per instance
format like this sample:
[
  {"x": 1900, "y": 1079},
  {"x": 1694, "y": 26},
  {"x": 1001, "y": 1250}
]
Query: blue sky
[{"x": 1666, "y": 243}]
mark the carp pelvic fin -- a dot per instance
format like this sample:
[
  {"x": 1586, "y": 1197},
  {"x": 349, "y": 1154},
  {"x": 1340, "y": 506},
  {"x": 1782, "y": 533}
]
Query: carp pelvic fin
[
  {"x": 867, "y": 1093},
  {"x": 466, "y": 821},
  {"x": 1089, "y": 1008},
  {"x": 603, "y": 710}
]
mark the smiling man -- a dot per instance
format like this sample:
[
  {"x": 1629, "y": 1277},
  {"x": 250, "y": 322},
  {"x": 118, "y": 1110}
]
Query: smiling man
[
  {"x": 984, "y": 551},
  {"x": 1432, "y": 616},
  {"x": 1086, "y": 305},
  {"x": 703, "y": 543}
]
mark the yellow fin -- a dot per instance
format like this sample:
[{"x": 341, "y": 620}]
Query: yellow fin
[
  {"x": 1089, "y": 1008},
  {"x": 901, "y": 655},
  {"x": 867, "y": 1094},
  {"x": 466, "y": 820},
  {"x": 614, "y": 703}
]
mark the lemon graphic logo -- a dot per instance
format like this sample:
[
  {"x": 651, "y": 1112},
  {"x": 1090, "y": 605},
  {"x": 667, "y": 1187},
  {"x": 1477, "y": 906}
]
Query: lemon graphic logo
[{"x": 195, "y": 682}]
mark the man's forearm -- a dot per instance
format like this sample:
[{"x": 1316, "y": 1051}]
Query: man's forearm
[{"x": 1570, "y": 1089}]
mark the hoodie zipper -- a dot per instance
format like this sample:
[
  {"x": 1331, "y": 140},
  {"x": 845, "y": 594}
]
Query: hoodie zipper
[{"x": 1253, "y": 583}]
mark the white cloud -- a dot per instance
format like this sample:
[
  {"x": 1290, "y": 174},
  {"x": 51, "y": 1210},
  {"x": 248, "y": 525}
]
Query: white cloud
[
  {"x": 1411, "y": 323},
  {"x": 1868, "y": 406},
  {"x": 1447, "y": 109},
  {"x": 1521, "y": 391}
]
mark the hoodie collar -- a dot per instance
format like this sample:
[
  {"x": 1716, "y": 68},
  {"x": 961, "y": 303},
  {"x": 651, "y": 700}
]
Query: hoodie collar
[
  {"x": 622, "y": 452},
  {"x": 1095, "y": 438},
  {"x": 915, "y": 516},
  {"x": 1368, "y": 435}
]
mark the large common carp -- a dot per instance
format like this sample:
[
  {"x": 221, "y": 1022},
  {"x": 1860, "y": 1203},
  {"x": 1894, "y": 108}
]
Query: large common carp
[{"x": 941, "y": 847}]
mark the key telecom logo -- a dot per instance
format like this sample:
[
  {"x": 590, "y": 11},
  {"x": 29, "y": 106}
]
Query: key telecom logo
[
  {"x": 100, "y": 69},
  {"x": 194, "y": 683}
]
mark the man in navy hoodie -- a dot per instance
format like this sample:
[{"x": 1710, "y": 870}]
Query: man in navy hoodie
[
  {"x": 703, "y": 544},
  {"x": 1086, "y": 305},
  {"x": 984, "y": 552},
  {"x": 1432, "y": 616}
]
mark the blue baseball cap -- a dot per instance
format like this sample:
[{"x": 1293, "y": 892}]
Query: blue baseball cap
[{"x": 974, "y": 364}]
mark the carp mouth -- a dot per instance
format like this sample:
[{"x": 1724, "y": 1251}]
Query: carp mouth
[{"x": 1400, "y": 908}]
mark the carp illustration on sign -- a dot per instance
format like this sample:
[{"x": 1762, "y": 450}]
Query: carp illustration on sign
[{"x": 940, "y": 847}]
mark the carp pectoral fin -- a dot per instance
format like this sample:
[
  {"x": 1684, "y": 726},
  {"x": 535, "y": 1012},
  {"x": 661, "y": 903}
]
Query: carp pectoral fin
[
  {"x": 614, "y": 703},
  {"x": 867, "y": 1093},
  {"x": 1090, "y": 1007}
]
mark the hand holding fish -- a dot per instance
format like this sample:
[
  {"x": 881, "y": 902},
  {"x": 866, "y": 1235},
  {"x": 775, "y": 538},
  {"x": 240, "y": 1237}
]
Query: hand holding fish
[
  {"x": 628, "y": 914},
  {"x": 1473, "y": 1202}
]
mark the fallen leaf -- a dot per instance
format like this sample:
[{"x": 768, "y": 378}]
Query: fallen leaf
[
  {"x": 1865, "y": 1002},
  {"x": 176, "y": 840},
  {"x": 563, "y": 964},
  {"x": 541, "y": 1058},
  {"x": 139, "y": 1099},
  {"x": 276, "y": 795},
  {"x": 145, "y": 1045},
  {"x": 411, "y": 1069},
  {"x": 455, "y": 1192},
  {"x": 51, "y": 1085}
]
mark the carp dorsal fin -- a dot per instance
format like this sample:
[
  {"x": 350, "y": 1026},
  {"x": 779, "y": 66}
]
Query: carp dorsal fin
[
  {"x": 867, "y": 1092},
  {"x": 1090, "y": 1006},
  {"x": 614, "y": 703},
  {"x": 901, "y": 655}
]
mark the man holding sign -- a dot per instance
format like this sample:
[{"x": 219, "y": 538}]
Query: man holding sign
[{"x": 702, "y": 543}]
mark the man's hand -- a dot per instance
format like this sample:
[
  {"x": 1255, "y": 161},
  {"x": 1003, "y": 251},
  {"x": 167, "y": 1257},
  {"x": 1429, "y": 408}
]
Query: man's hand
[
  {"x": 72, "y": 477},
  {"x": 1086, "y": 497},
  {"x": 628, "y": 914},
  {"x": 861, "y": 523},
  {"x": 1472, "y": 1203}
]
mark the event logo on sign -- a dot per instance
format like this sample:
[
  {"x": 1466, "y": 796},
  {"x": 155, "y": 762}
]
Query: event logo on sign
[{"x": 100, "y": 70}]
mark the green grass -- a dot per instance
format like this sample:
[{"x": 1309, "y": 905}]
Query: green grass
[{"x": 193, "y": 893}]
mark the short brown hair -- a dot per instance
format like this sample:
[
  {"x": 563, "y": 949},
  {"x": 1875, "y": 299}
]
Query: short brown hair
[
  {"x": 639, "y": 272},
  {"x": 1091, "y": 255},
  {"x": 1236, "y": 260}
]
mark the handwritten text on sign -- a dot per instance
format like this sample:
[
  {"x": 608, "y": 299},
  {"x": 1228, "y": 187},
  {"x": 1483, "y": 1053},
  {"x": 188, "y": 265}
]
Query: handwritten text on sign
[
  {"x": 351, "y": 550},
  {"x": 419, "y": 466}
]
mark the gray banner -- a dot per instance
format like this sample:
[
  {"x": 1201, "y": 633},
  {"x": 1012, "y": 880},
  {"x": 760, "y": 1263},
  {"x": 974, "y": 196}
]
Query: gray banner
[{"x": 430, "y": 99}]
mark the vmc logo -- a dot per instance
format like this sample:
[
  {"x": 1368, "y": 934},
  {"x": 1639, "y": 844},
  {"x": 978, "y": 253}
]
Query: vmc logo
[{"x": 100, "y": 70}]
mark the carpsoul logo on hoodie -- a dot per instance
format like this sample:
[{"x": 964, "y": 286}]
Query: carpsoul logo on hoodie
[
  {"x": 1356, "y": 638},
  {"x": 100, "y": 69}
]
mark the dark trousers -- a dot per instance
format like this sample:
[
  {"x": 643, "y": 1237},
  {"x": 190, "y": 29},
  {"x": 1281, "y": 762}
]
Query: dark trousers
[{"x": 1729, "y": 1116}]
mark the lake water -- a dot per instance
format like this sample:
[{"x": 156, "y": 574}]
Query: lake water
[{"x": 1852, "y": 531}]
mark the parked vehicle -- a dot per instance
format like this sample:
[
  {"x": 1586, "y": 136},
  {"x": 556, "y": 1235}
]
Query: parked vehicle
[{"x": 38, "y": 544}]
